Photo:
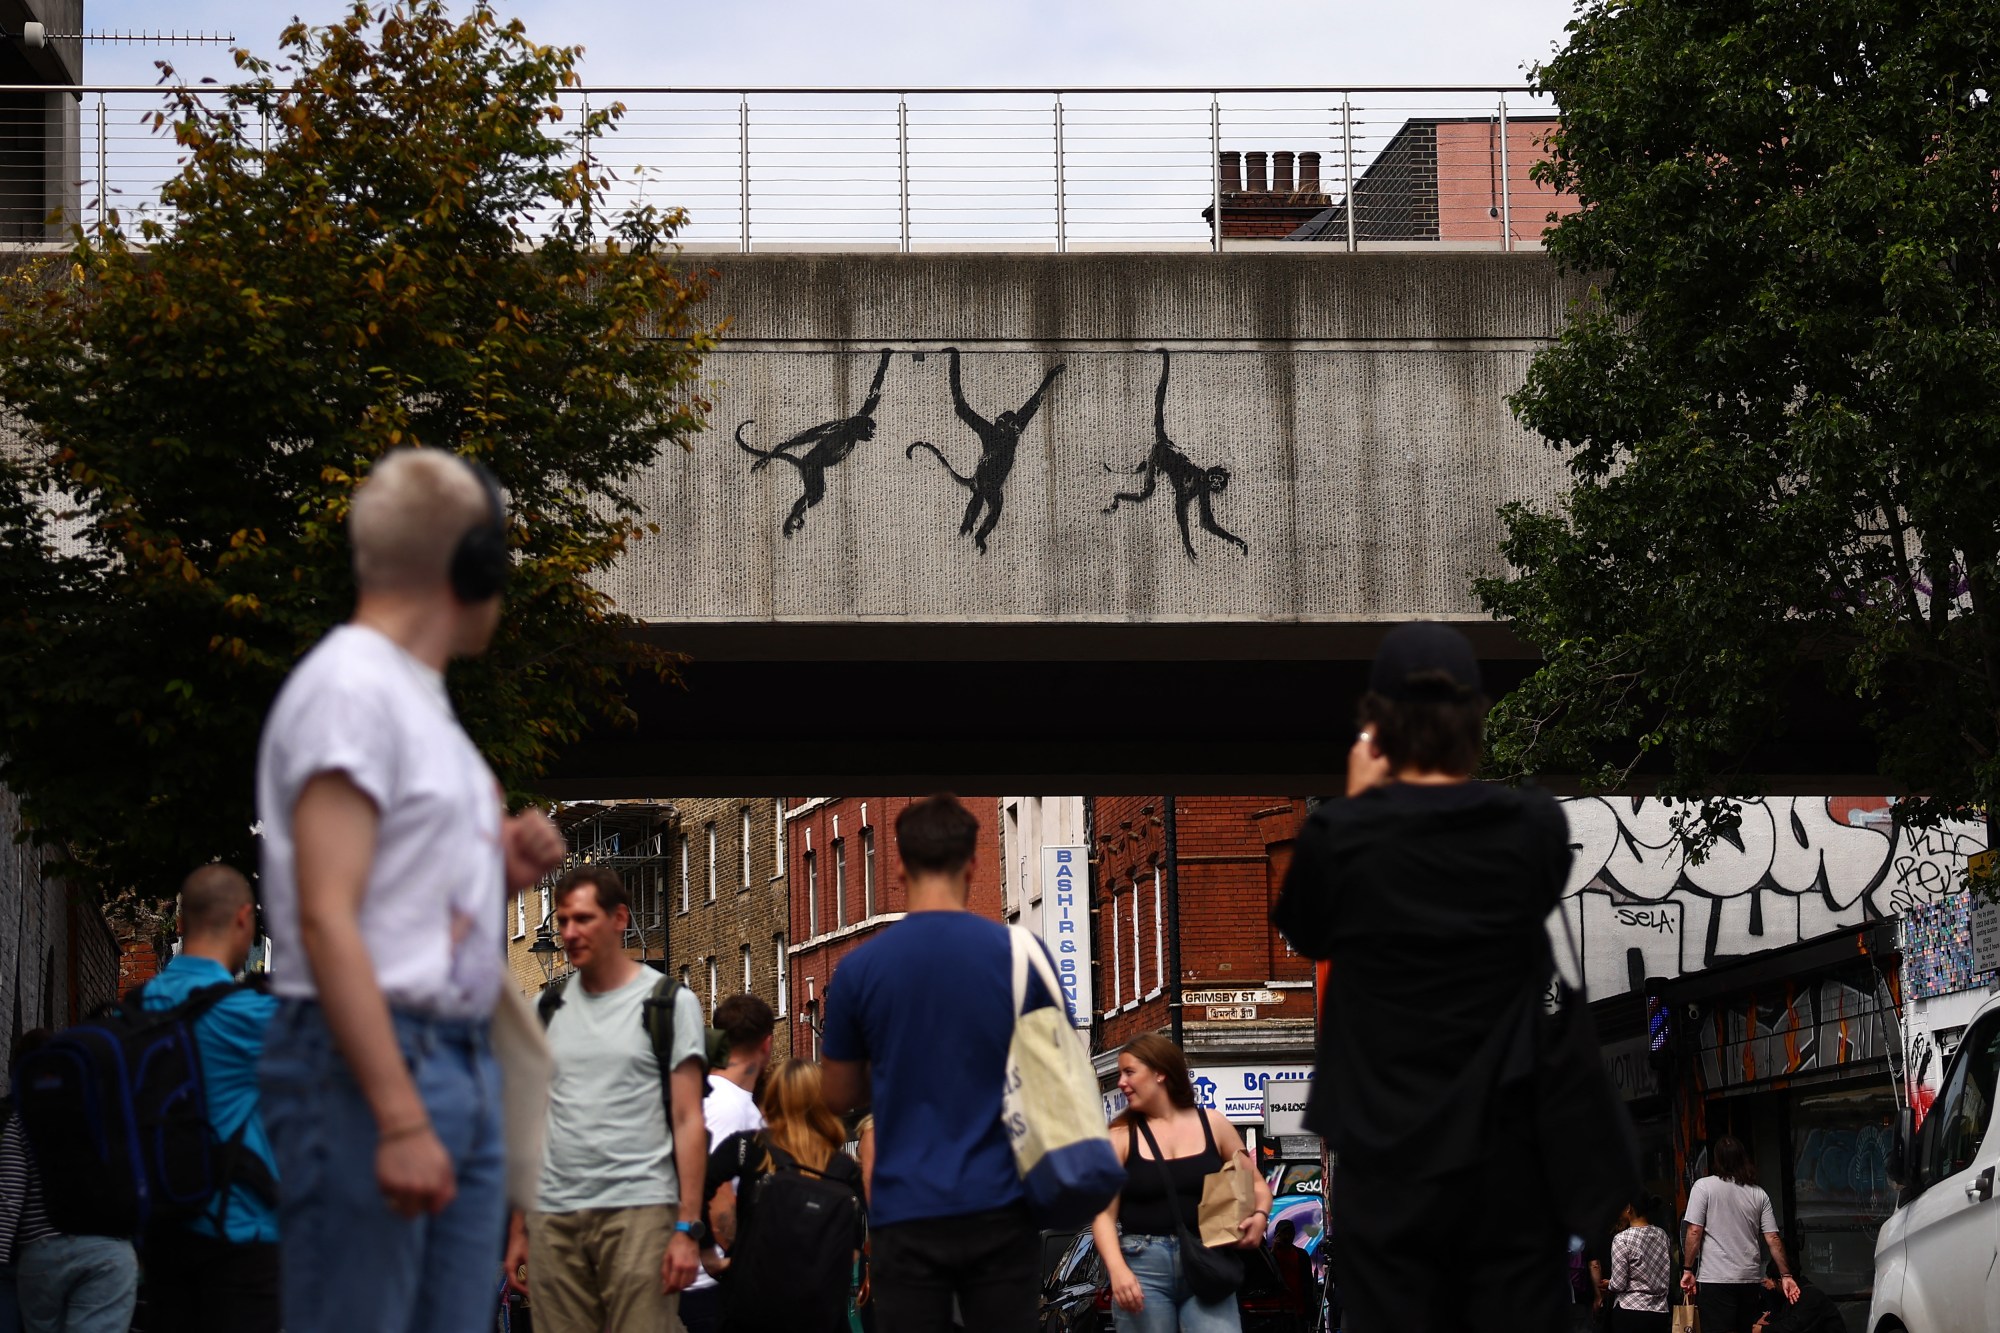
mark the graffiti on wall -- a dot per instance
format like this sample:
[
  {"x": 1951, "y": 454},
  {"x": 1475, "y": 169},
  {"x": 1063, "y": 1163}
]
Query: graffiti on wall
[
  {"x": 1796, "y": 869},
  {"x": 998, "y": 441},
  {"x": 1193, "y": 485},
  {"x": 823, "y": 446}
]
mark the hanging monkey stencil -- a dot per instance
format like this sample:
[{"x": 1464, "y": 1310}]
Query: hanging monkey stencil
[
  {"x": 825, "y": 445},
  {"x": 1192, "y": 485},
  {"x": 998, "y": 440}
]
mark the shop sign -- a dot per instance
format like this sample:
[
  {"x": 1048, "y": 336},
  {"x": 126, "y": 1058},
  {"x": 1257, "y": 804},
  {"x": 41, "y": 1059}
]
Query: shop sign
[
  {"x": 1629, "y": 1066},
  {"x": 1285, "y": 1107},
  {"x": 1229, "y": 997},
  {"x": 1114, "y": 1105},
  {"x": 1231, "y": 1013},
  {"x": 1238, "y": 1090},
  {"x": 1066, "y": 924},
  {"x": 1986, "y": 937}
]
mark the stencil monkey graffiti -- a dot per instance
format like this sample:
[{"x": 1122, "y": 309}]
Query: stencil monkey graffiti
[
  {"x": 998, "y": 441},
  {"x": 1193, "y": 485},
  {"x": 824, "y": 445}
]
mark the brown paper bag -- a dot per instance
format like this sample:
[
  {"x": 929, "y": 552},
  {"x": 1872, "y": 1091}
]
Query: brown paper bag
[
  {"x": 1686, "y": 1318},
  {"x": 1227, "y": 1197}
]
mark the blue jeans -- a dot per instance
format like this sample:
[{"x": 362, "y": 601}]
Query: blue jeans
[
  {"x": 77, "y": 1284},
  {"x": 1170, "y": 1306},
  {"x": 348, "y": 1261}
]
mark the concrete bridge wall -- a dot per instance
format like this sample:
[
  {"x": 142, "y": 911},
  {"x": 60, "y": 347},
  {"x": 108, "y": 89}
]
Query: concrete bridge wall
[{"x": 1356, "y": 402}]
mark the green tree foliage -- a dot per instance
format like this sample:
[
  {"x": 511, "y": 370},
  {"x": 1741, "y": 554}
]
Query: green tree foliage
[
  {"x": 1781, "y": 411},
  {"x": 396, "y": 239}
]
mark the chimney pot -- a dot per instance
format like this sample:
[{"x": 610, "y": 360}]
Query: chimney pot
[
  {"x": 1232, "y": 173},
  {"x": 1309, "y": 175},
  {"x": 1254, "y": 166},
  {"x": 1282, "y": 181}
]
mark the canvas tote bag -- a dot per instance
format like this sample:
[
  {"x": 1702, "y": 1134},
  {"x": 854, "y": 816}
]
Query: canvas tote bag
[
  {"x": 526, "y": 1068},
  {"x": 1050, "y": 1105}
]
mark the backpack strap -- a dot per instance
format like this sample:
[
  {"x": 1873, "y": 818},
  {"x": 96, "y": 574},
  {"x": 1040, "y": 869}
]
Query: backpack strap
[
  {"x": 657, "y": 1013},
  {"x": 551, "y": 998}
]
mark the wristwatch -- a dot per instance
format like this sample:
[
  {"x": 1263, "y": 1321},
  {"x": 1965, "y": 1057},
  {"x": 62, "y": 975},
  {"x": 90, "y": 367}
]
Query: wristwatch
[{"x": 694, "y": 1231}]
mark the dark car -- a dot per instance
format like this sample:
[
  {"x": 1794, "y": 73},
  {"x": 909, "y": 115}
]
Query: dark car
[{"x": 1076, "y": 1291}]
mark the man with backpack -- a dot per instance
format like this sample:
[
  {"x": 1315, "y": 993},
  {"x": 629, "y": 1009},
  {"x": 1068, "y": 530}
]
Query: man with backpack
[
  {"x": 387, "y": 857},
  {"x": 923, "y": 1014},
  {"x": 744, "y": 1025},
  {"x": 217, "y": 1272},
  {"x": 618, "y": 1232}
]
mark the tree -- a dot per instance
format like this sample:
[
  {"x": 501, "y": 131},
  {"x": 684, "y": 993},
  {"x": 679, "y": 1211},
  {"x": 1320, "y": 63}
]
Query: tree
[
  {"x": 1781, "y": 406},
  {"x": 419, "y": 255}
]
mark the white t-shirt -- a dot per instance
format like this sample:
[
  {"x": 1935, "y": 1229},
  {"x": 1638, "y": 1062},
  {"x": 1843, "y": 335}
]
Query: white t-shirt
[
  {"x": 357, "y": 704},
  {"x": 1734, "y": 1220},
  {"x": 610, "y": 1145},
  {"x": 727, "y": 1110}
]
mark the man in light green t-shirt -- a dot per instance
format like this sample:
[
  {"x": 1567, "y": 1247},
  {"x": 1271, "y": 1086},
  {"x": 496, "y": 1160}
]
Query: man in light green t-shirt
[{"x": 617, "y": 1235}]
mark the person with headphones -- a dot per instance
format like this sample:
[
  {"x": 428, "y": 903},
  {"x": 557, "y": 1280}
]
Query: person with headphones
[{"x": 387, "y": 852}]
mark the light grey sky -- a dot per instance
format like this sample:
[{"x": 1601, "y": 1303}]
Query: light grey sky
[{"x": 1008, "y": 42}]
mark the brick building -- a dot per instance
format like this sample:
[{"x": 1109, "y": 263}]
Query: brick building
[
  {"x": 1436, "y": 179},
  {"x": 1183, "y": 889},
  {"x": 707, "y": 880},
  {"x": 58, "y": 958},
  {"x": 847, "y": 884}
]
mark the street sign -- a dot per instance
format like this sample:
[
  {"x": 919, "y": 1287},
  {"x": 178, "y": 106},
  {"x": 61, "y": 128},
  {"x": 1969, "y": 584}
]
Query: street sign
[
  {"x": 1986, "y": 937},
  {"x": 1285, "y": 1107},
  {"x": 1229, "y": 997},
  {"x": 1231, "y": 1013},
  {"x": 1238, "y": 1090},
  {"x": 1066, "y": 924},
  {"x": 1980, "y": 864}
]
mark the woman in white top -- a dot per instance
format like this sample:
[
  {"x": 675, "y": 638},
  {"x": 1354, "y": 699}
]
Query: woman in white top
[
  {"x": 1727, "y": 1213},
  {"x": 1642, "y": 1270}
]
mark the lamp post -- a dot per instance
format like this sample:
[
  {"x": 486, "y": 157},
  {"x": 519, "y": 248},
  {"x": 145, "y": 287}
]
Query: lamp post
[{"x": 545, "y": 949}]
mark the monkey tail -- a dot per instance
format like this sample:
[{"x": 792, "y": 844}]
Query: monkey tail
[
  {"x": 938, "y": 454},
  {"x": 1160, "y": 395},
  {"x": 763, "y": 456}
]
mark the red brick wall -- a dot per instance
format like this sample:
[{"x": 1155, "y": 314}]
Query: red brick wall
[
  {"x": 1468, "y": 169},
  {"x": 815, "y": 959}
]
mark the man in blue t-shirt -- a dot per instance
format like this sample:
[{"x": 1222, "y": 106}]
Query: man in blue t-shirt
[
  {"x": 923, "y": 1016},
  {"x": 218, "y": 1273}
]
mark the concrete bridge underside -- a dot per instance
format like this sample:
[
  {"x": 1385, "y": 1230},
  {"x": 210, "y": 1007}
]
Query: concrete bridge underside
[{"x": 1339, "y": 421}]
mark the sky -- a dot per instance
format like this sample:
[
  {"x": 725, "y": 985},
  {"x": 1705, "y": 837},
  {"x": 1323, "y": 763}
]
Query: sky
[{"x": 823, "y": 43}]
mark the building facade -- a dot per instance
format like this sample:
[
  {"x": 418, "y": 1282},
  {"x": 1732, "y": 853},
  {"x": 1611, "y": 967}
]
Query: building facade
[
  {"x": 58, "y": 957},
  {"x": 847, "y": 884}
]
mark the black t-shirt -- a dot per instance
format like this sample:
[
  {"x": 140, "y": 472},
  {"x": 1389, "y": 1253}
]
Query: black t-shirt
[
  {"x": 1143, "y": 1206},
  {"x": 1431, "y": 904}
]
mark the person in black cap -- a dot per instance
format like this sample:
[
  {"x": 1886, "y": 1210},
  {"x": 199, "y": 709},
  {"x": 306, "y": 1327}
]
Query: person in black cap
[{"x": 1429, "y": 895}]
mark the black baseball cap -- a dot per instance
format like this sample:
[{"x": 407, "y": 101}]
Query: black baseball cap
[{"x": 1427, "y": 661}]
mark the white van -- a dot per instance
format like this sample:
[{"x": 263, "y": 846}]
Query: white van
[{"x": 1937, "y": 1261}]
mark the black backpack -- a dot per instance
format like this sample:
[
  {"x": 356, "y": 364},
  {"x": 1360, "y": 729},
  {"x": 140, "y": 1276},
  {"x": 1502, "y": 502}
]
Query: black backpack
[
  {"x": 658, "y": 1015},
  {"x": 793, "y": 1266},
  {"x": 116, "y": 1116}
]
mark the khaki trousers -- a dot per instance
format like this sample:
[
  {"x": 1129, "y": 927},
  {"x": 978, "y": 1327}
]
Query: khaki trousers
[{"x": 599, "y": 1268}]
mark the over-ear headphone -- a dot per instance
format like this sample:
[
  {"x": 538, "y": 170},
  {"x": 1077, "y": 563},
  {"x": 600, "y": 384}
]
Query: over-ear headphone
[{"x": 480, "y": 563}]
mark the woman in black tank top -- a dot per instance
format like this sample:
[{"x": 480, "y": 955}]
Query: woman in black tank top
[{"x": 1166, "y": 1137}]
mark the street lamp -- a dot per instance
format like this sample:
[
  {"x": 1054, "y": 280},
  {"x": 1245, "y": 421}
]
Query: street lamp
[{"x": 545, "y": 950}]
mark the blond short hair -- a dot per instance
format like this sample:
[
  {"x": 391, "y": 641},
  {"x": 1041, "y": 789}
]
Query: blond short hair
[{"x": 408, "y": 517}]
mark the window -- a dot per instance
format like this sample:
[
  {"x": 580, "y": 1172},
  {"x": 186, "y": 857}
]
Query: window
[
  {"x": 812, "y": 896},
  {"x": 520, "y": 914},
  {"x": 777, "y": 837},
  {"x": 684, "y": 979},
  {"x": 839, "y": 883},
  {"x": 1117, "y": 967},
  {"x": 746, "y": 970},
  {"x": 684, "y": 874},
  {"x": 1963, "y": 1112},
  {"x": 1159, "y": 936},
  {"x": 1138, "y": 986},
  {"x": 1010, "y": 852},
  {"x": 711, "y": 986},
  {"x": 547, "y": 906},
  {"x": 867, "y": 873},
  {"x": 744, "y": 814},
  {"x": 778, "y": 966},
  {"x": 710, "y": 828}
]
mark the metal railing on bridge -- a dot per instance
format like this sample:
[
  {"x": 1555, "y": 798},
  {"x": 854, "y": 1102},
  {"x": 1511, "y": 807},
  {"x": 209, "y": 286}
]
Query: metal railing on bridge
[{"x": 945, "y": 168}]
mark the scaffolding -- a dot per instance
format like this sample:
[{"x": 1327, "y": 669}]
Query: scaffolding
[{"x": 632, "y": 838}]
